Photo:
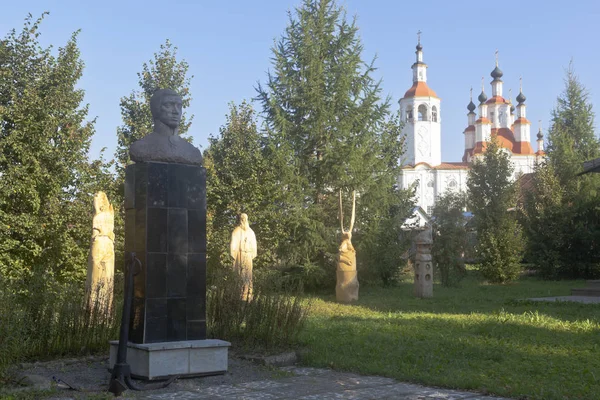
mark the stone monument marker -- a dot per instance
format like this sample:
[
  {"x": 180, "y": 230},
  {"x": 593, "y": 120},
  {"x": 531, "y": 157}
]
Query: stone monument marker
[
  {"x": 424, "y": 263},
  {"x": 165, "y": 226},
  {"x": 346, "y": 288},
  {"x": 243, "y": 250},
  {"x": 101, "y": 260}
]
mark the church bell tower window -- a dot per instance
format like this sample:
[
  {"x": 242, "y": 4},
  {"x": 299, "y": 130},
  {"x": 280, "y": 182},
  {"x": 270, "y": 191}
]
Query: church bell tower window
[
  {"x": 422, "y": 112},
  {"x": 434, "y": 114},
  {"x": 409, "y": 114}
]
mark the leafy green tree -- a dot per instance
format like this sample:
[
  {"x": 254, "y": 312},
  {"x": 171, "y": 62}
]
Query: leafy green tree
[
  {"x": 241, "y": 179},
  {"x": 326, "y": 117},
  {"x": 544, "y": 222},
  {"x": 449, "y": 236},
  {"x": 46, "y": 180},
  {"x": 491, "y": 197},
  {"x": 562, "y": 212}
]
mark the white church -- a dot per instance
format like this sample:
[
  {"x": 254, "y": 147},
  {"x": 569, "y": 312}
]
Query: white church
[{"x": 421, "y": 111}]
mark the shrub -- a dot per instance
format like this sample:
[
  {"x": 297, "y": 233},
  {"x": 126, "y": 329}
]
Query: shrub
[
  {"x": 500, "y": 254},
  {"x": 271, "y": 318},
  {"x": 54, "y": 320},
  {"x": 449, "y": 237}
]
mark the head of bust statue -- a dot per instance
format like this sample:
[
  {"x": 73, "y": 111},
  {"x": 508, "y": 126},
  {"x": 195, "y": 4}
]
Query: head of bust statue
[{"x": 166, "y": 107}]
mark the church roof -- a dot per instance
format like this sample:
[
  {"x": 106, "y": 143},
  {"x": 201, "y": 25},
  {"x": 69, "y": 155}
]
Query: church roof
[
  {"x": 443, "y": 165},
  {"x": 419, "y": 89},
  {"x": 497, "y": 99},
  {"x": 522, "y": 120},
  {"x": 453, "y": 165},
  {"x": 506, "y": 139},
  {"x": 591, "y": 166}
]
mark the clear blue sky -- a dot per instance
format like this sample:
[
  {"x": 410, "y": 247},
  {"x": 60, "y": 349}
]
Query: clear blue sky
[{"x": 227, "y": 44}]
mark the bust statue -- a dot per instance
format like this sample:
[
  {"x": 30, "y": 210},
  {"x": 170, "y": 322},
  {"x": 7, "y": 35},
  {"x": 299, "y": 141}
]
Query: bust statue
[{"x": 164, "y": 143}]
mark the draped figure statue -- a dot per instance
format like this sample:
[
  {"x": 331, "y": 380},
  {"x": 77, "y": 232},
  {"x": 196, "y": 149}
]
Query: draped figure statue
[
  {"x": 243, "y": 250},
  {"x": 101, "y": 260}
]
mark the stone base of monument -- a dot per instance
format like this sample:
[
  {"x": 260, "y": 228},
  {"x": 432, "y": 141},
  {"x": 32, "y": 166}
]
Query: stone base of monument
[{"x": 186, "y": 358}]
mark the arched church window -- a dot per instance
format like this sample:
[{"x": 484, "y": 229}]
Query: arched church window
[
  {"x": 502, "y": 118},
  {"x": 422, "y": 110},
  {"x": 452, "y": 184},
  {"x": 434, "y": 114},
  {"x": 409, "y": 114}
]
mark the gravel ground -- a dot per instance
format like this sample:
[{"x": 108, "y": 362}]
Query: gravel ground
[
  {"x": 91, "y": 376},
  {"x": 244, "y": 380}
]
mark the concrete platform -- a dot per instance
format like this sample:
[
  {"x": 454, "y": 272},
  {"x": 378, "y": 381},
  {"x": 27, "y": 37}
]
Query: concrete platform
[
  {"x": 576, "y": 299},
  {"x": 186, "y": 358}
]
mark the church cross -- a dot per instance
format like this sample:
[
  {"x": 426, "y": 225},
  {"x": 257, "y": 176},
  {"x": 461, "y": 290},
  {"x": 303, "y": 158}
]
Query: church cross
[
  {"x": 496, "y": 57},
  {"x": 419, "y": 36}
]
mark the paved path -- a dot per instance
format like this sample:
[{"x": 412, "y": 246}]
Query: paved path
[
  {"x": 576, "y": 299},
  {"x": 318, "y": 384},
  {"x": 243, "y": 381}
]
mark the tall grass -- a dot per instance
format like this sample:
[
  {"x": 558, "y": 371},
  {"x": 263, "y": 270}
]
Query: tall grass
[
  {"x": 54, "y": 320},
  {"x": 270, "y": 319}
]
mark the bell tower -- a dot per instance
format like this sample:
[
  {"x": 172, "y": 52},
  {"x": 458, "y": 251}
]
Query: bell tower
[{"x": 420, "y": 108}]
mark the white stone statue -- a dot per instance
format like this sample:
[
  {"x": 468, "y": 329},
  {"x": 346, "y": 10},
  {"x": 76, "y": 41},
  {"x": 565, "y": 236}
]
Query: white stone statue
[
  {"x": 101, "y": 261},
  {"x": 243, "y": 249},
  {"x": 346, "y": 288}
]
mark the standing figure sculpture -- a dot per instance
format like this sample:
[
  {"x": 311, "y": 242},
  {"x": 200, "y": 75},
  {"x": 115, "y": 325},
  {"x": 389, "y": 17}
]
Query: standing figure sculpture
[
  {"x": 243, "y": 249},
  {"x": 346, "y": 288},
  {"x": 101, "y": 260}
]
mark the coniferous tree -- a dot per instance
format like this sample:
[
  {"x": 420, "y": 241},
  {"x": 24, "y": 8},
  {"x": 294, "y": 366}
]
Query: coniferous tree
[
  {"x": 325, "y": 114},
  {"x": 572, "y": 137},
  {"x": 46, "y": 180},
  {"x": 561, "y": 214},
  {"x": 491, "y": 197}
]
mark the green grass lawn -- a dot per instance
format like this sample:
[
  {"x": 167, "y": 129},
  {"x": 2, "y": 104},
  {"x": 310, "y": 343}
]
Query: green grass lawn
[{"x": 476, "y": 337}]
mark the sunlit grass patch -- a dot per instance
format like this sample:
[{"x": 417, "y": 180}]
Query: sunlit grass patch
[{"x": 476, "y": 337}]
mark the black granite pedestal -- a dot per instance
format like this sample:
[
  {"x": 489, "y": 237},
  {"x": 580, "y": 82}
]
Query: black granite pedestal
[{"x": 165, "y": 225}]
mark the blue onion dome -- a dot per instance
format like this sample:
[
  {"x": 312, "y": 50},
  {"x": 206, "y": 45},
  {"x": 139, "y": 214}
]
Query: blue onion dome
[
  {"x": 496, "y": 73},
  {"x": 419, "y": 47},
  {"x": 512, "y": 108},
  {"x": 540, "y": 134},
  {"x": 521, "y": 98},
  {"x": 482, "y": 97},
  {"x": 471, "y": 107}
]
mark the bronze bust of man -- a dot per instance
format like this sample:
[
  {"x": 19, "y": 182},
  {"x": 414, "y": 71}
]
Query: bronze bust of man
[{"x": 164, "y": 143}]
